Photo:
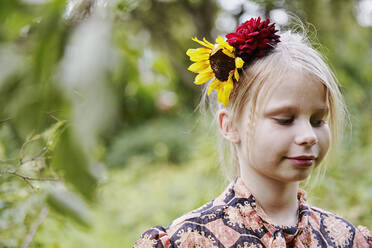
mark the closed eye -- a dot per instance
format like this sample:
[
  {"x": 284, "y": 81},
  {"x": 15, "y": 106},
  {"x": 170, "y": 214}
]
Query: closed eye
[
  {"x": 284, "y": 121},
  {"x": 317, "y": 123}
]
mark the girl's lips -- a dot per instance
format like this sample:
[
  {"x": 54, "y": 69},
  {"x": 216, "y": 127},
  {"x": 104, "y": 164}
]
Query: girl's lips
[{"x": 302, "y": 162}]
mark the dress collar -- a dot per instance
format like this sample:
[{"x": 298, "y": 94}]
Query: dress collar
[{"x": 256, "y": 212}]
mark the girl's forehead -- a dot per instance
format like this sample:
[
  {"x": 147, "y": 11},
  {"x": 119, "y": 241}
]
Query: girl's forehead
[{"x": 296, "y": 88}]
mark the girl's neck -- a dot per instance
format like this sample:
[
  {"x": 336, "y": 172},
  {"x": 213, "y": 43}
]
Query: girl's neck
[{"x": 277, "y": 199}]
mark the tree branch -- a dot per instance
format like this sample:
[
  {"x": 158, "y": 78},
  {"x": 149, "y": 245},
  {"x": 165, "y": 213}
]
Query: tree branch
[
  {"x": 5, "y": 120},
  {"x": 50, "y": 113},
  {"x": 35, "y": 225},
  {"x": 27, "y": 178}
]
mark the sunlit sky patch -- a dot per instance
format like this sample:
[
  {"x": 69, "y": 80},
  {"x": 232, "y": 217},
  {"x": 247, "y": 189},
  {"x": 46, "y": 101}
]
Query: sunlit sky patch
[
  {"x": 279, "y": 16},
  {"x": 226, "y": 22},
  {"x": 364, "y": 12}
]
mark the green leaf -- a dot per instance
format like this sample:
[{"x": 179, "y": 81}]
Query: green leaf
[
  {"x": 52, "y": 134},
  {"x": 70, "y": 159},
  {"x": 70, "y": 205}
]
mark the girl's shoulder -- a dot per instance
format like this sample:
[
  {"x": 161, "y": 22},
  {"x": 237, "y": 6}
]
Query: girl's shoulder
[
  {"x": 337, "y": 228},
  {"x": 197, "y": 226},
  {"x": 156, "y": 236}
]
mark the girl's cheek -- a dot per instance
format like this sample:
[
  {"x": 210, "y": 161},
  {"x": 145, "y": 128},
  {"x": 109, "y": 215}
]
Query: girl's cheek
[{"x": 324, "y": 137}]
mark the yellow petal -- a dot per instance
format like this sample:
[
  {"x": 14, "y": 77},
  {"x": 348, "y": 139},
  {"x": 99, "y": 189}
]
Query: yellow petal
[
  {"x": 239, "y": 62},
  {"x": 207, "y": 42},
  {"x": 228, "y": 53},
  {"x": 198, "y": 51},
  {"x": 198, "y": 58},
  {"x": 236, "y": 74},
  {"x": 224, "y": 44},
  {"x": 220, "y": 95},
  {"x": 198, "y": 54},
  {"x": 227, "y": 91},
  {"x": 220, "y": 40},
  {"x": 214, "y": 85},
  {"x": 201, "y": 78},
  {"x": 207, "y": 70},
  {"x": 198, "y": 66},
  {"x": 209, "y": 45}
]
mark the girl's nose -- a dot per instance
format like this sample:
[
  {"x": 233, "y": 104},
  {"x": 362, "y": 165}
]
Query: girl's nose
[{"x": 306, "y": 135}]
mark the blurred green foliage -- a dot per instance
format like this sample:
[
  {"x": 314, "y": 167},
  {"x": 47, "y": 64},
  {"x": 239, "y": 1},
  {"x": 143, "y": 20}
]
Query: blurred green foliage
[
  {"x": 98, "y": 138},
  {"x": 159, "y": 140}
]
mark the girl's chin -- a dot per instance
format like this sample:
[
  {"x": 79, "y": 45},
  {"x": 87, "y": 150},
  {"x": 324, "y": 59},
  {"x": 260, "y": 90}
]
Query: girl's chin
[
  {"x": 301, "y": 176},
  {"x": 293, "y": 176}
]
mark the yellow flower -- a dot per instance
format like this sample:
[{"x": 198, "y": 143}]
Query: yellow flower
[
  {"x": 215, "y": 61},
  {"x": 224, "y": 89}
]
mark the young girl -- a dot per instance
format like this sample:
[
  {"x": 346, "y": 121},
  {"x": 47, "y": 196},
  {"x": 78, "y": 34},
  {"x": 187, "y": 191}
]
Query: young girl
[{"x": 280, "y": 110}]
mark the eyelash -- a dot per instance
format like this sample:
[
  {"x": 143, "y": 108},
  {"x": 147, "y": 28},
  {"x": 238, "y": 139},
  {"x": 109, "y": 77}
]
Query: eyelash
[
  {"x": 287, "y": 122},
  {"x": 284, "y": 121},
  {"x": 321, "y": 123}
]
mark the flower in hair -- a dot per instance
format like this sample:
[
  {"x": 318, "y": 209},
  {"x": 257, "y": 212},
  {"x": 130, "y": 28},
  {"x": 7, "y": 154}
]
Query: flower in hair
[
  {"x": 253, "y": 38},
  {"x": 216, "y": 61},
  {"x": 223, "y": 60}
]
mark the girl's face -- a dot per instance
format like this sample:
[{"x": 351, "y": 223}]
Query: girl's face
[{"x": 291, "y": 134}]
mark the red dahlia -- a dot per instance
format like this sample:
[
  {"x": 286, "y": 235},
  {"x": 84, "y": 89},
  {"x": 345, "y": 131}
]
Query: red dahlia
[{"x": 253, "y": 38}]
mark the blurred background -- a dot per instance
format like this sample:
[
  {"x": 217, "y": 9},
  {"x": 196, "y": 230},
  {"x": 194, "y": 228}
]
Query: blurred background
[{"x": 99, "y": 137}]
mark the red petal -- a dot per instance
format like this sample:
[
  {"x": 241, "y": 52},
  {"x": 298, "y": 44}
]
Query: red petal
[
  {"x": 252, "y": 34},
  {"x": 253, "y": 38}
]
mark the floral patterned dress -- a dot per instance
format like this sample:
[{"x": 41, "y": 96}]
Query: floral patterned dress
[{"x": 234, "y": 219}]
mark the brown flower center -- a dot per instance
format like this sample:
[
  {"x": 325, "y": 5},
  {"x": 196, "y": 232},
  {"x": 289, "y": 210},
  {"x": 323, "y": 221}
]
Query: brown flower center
[{"x": 221, "y": 65}]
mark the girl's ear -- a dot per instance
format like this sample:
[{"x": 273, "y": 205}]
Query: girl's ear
[{"x": 227, "y": 129}]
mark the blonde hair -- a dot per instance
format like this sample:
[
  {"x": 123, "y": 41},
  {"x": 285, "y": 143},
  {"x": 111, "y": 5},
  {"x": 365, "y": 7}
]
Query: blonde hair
[{"x": 294, "y": 52}]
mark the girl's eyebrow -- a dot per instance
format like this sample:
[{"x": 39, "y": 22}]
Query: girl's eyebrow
[
  {"x": 324, "y": 110},
  {"x": 292, "y": 109},
  {"x": 280, "y": 109}
]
